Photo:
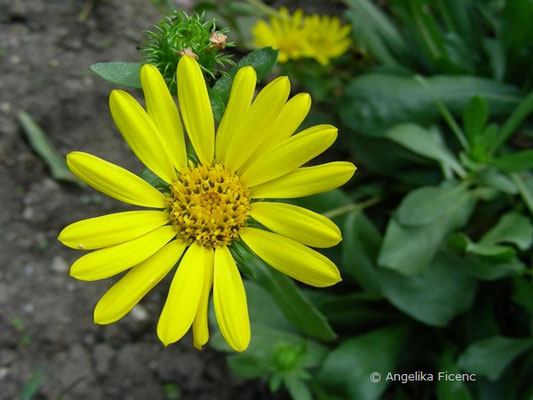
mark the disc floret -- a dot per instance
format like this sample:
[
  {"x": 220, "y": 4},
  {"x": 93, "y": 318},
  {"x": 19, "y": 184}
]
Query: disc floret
[{"x": 209, "y": 205}]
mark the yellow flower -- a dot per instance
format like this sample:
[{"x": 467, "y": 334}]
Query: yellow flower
[
  {"x": 297, "y": 36},
  {"x": 327, "y": 38},
  {"x": 255, "y": 156},
  {"x": 284, "y": 33}
]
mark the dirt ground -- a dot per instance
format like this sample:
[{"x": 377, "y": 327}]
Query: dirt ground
[{"x": 46, "y": 323}]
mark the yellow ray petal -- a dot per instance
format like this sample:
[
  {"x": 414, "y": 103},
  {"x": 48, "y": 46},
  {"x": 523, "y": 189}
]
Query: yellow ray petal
[
  {"x": 290, "y": 154},
  {"x": 229, "y": 299},
  {"x": 200, "y": 327},
  {"x": 196, "y": 109},
  {"x": 242, "y": 91},
  {"x": 290, "y": 118},
  {"x": 163, "y": 111},
  {"x": 129, "y": 290},
  {"x": 141, "y": 134},
  {"x": 291, "y": 258},
  {"x": 114, "y": 181},
  {"x": 306, "y": 181},
  {"x": 183, "y": 297},
  {"x": 101, "y": 264},
  {"x": 257, "y": 122},
  {"x": 111, "y": 229},
  {"x": 300, "y": 224}
]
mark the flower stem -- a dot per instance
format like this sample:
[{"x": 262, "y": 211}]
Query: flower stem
[{"x": 350, "y": 207}]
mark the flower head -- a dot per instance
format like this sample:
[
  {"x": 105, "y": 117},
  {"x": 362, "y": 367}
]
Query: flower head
[
  {"x": 208, "y": 204},
  {"x": 320, "y": 37},
  {"x": 327, "y": 38},
  {"x": 284, "y": 33}
]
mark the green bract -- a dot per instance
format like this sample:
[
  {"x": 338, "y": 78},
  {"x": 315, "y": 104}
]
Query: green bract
[{"x": 178, "y": 34}]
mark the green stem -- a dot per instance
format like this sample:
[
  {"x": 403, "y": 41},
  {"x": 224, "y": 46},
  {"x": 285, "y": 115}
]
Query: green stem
[
  {"x": 519, "y": 114},
  {"x": 446, "y": 114},
  {"x": 267, "y": 10},
  {"x": 350, "y": 207}
]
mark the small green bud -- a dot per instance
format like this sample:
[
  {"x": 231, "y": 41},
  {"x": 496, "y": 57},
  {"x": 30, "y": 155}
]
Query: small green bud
[{"x": 180, "y": 34}]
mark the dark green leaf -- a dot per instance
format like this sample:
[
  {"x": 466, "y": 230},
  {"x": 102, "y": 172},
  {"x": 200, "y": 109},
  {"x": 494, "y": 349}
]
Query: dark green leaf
[
  {"x": 488, "y": 251},
  {"x": 425, "y": 143},
  {"x": 514, "y": 162},
  {"x": 346, "y": 370},
  {"x": 491, "y": 356},
  {"x": 447, "y": 390},
  {"x": 524, "y": 184},
  {"x": 262, "y": 60},
  {"x": 217, "y": 105},
  {"x": 435, "y": 296},
  {"x": 360, "y": 249},
  {"x": 523, "y": 293},
  {"x": 352, "y": 310},
  {"x": 475, "y": 117},
  {"x": 425, "y": 205},
  {"x": 375, "y": 102},
  {"x": 372, "y": 29},
  {"x": 45, "y": 149},
  {"x": 292, "y": 302},
  {"x": 511, "y": 228},
  {"x": 155, "y": 180},
  {"x": 409, "y": 250},
  {"x": 121, "y": 73},
  {"x": 484, "y": 269}
]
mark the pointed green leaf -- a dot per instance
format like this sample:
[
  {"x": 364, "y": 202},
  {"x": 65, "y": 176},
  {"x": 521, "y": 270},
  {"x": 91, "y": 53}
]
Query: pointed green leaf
[
  {"x": 475, "y": 117},
  {"x": 514, "y": 162},
  {"x": 435, "y": 296},
  {"x": 425, "y": 205},
  {"x": 262, "y": 60},
  {"x": 45, "y": 149},
  {"x": 511, "y": 228},
  {"x": 118, "y": 72}
]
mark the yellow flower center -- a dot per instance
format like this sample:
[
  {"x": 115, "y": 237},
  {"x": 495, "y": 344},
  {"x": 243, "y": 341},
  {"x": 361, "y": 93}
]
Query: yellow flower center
[{"x": 209, "y": 204}]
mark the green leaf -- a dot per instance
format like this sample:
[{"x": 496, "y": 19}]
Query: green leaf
[
  {"x": 447, "y": 390},
  {"x": 37, "y": 379},
  {"x": 217, "y": 104},
  {"x": 45, "y": 149},
  {"x": 346, "y": 370},
  {"x": 435, "y": 296},
  {"x": 155, "y": 180},
  {"x": 297, "y": 389},
  {"x": 262, "y": 60},
  {"x": 248, "y": 366},
  {"x": 292, "y": 302},
  {"x": 514, "y": 162},
  {"x": 475, "y": 117},
  {"x": 118, "y": 72},
  {"x": 425, "y": 143},
  {"x": 490, "y": 357},
  {"x": 409, "y": 250},
  {"x": 375, "y": 102},
  {"x": 353, "y": 309},
  {"x": 372, "y": 29},
  {"x": 511, "y": 228},
  {"x": 360, "y": 249},
  {"x": 425, "y": 205},
  {"x": 488, "y": 251},
  {"x": 523, "y": 293},
  {"x": 524, "y": 184}
]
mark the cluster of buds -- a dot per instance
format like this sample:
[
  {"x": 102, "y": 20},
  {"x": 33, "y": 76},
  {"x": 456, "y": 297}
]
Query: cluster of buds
[{"x": 180, "y": 34}]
